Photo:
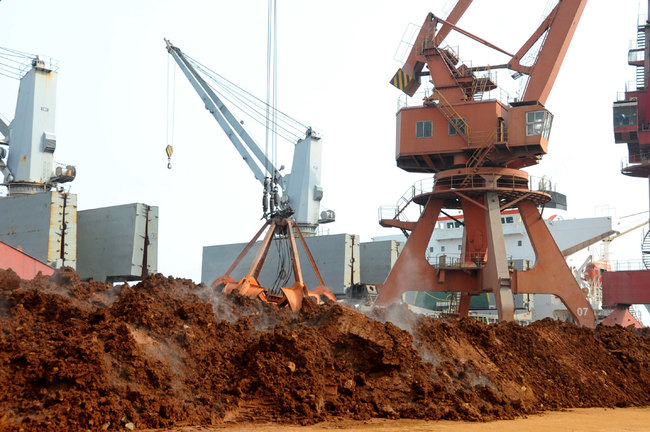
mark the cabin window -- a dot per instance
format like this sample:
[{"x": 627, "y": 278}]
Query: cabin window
[
  {"x": 457, "y": 124},
  {"x": 625, "y": 115},
  {"x": 442, "y": 248},
  {"x": 430, "y": 248},
  {"x": 519, "y": 242},
  {"x": 450, "y": 224},
  {"x": 424, "y": 129},
  {"x": 459, "y": 247},
  {"x": 509, "y": 219},
  {"x": 538, "y": 123}
]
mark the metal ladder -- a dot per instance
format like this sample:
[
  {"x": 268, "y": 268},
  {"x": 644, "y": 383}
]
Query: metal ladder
[
  {"x": 452, "y": 116},
  {"x": 476, "y": 160},
  {"x": 479, "y": 85}
]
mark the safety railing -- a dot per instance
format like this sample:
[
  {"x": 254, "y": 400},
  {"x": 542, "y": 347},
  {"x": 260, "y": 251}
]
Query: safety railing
[
  {"x": 406, "y": 44},
  {"x": 405, "y": 101},
  {"x": 466, "y": 181},
  {"x": 480, "y": 83},
  {"x": 635, "y": 159},
  {"x": 397, "y": 211},
  {"x": 625, "y": 265},
  {"x": 387, "y": 212},
  {"x": 427, "y": 185},
  {"x": 481, "y": 152},
  {"x": 447, "y": 260},
  {"x": 45, "y": 62},
  {"x": 542, "y": 183}
]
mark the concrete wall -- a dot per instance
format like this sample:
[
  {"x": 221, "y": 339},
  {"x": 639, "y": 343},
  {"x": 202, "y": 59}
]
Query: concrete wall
[
  {"x": 43, "y": 225},
  {"x": 117, "y": 243},
  {"x": 377, "y": 258}
]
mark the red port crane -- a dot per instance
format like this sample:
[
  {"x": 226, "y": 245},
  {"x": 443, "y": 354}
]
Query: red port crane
[{"x": 475, "y": 146}]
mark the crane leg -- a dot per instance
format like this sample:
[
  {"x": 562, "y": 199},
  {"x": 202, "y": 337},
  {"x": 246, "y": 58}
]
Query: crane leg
[
  {"x": 551, "y": 274},
  {"x": 411, "y": 271},
  {"x": 495, "y": 275}
]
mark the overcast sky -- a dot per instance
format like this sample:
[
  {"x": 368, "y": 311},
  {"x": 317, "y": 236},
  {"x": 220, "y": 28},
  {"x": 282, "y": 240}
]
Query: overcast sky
[{"x": 335, "y": 59}]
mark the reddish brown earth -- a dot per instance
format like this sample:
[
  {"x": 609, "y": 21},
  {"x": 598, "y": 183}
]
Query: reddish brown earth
[{"x": 166, "y": 352}]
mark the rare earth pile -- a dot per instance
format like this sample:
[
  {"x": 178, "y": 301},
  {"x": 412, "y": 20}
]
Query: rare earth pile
[{"x": 90, "y": 356}]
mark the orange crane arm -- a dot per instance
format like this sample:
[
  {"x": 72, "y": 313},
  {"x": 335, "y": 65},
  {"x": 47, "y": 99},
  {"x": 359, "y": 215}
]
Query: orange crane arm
[
  {"x": 407, "y": 77},
  {"x": 555, "y": 34},
  {"x": 452, "y": 19}
]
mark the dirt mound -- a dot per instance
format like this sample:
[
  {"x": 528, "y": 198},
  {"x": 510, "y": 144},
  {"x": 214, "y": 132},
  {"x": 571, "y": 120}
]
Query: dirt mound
[{"x": 78, "y": 356}]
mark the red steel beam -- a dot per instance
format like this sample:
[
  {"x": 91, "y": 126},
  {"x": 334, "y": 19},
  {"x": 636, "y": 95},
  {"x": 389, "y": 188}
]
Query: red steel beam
[
  {"x": 24, "y": 265},
  {"x": 626, "y": 287}
]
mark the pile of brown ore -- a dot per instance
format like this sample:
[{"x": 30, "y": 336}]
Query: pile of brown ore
[{"x": 92, "y": 356}]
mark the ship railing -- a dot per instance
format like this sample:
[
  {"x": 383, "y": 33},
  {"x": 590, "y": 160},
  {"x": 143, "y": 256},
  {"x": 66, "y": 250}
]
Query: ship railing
[{"x": 625, "y": 265}]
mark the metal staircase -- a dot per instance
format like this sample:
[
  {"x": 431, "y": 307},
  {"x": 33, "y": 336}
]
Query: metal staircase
[
  {"x": 645, "y": 250},
  {"x": 478, "y": 157},
  {"x": 635, "y": 313},
  {"x": 397, "y": 212},
  {"x": 640, "y": 70},
  {"x": 480, "y": 85}
]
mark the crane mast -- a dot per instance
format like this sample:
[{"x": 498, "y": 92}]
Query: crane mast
[{"x": 30, "y": 166}]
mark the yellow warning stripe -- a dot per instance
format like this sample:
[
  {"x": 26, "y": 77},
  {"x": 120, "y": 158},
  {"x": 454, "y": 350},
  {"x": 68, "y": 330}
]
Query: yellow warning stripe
[{"x": 401, "y": 79}]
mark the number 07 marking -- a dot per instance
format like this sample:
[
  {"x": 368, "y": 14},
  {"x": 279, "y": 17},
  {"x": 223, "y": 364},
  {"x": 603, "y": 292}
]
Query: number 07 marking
[{"x": 583, "y": 311}]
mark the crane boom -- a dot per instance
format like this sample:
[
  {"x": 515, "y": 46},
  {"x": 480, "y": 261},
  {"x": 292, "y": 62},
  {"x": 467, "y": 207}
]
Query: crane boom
[
  {"x": 555, "y": 34},
  {"x": 553, "y": 37},
  {"x": 233, "y": 129},
  {"x": 300, "y": 189}
]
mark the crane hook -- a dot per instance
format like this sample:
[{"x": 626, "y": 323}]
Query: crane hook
[{"x": 169, "y": 150}]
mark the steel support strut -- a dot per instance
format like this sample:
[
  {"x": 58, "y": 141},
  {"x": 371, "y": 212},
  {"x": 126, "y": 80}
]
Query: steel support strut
[
  {"x": 411, "y": 270},
  {"x": 551, "y": 274},
  {"x": 495, "y": 274},
  {"x": 249, "y": 284},
  {"x": 221, "y": 281},
  {"x": 483, "y": 263},
  {"x": 297, "y": 292}
]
